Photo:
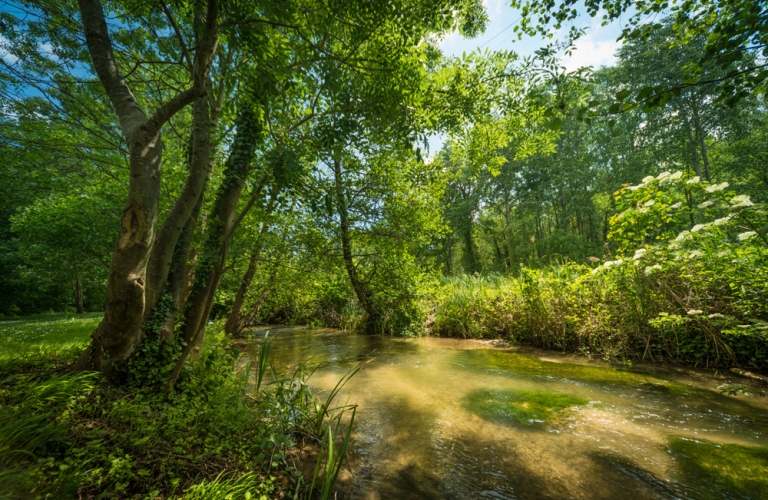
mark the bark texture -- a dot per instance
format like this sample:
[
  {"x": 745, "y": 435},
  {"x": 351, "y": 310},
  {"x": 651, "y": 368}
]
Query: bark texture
[
  {"x": 118, "y": 334},
  {"x": 220, "y": 227}
]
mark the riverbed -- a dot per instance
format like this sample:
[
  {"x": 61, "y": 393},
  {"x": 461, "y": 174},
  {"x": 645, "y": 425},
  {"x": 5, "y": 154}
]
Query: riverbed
[{"x": 466, "y": 419}]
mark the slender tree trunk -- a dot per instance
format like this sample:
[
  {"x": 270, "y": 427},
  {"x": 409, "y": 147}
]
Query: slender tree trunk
[
  {"x": 702, "y": 141},
  {"x": 693, "y": 149},
  {"x": 200, "y": 166},
  {"x": 361, "y": 291},
  {"x": 508, "y": 222},
  {"x": 177, "y": 283},
  {"x": 220, "y": 227},
  {"x": 245, "y": 284},
  {"x": 243, "y": 322},
  {"x": 77, "y": 292}
]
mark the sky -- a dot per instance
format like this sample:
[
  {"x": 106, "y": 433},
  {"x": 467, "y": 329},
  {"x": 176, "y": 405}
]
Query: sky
[{"x": 596, "y": 48}]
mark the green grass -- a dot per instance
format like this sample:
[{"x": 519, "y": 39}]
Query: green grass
[
  {"x": 511, "y": 407},
  {"x": 48, "y": 339}
]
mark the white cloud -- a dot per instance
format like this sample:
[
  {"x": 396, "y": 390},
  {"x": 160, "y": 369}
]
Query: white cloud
[
  {"x": 591, "y": 52},
  {"x": 494, "y": 7},
  {"x": 4, "y": 54},
  {"x": 597, "y": 48}
]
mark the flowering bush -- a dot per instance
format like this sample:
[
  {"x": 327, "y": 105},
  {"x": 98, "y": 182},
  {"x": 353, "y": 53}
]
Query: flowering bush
[{"x": 689, "y": 283}]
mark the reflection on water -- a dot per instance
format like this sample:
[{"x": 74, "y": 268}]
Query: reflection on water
[{"x": 438, "y": 419}]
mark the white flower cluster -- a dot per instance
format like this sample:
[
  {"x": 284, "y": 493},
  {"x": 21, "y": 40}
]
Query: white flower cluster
[
  {"x": 746, "y": 236},
  {"x": 639, "y": 253},
  {"x": 741, "y": 201},
  {"x": 683, "y": 235},
  {"x": 706, "y": 204},
  {"x": 716, "y": 187},
  {"x": 721, "y": 221},
  {"x": 693, "y": 180},
  {"x": 695, "y": 312},
  {"x": 652, "y": 269},
  {"x": 607, "y": 264}
]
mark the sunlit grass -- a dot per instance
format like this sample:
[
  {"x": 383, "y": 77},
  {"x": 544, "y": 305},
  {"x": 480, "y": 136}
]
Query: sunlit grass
[{"x": 52, "y": 338}]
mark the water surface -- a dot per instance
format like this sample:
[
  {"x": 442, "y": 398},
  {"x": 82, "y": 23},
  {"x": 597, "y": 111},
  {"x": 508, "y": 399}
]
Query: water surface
[{"x": 463, "y": 419}]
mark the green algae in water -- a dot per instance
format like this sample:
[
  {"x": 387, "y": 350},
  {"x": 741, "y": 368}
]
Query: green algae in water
[
  {"x": 722, "y": 471},
  {"x": 530, "y": 366},
  {"x": 510, "y": 407}
]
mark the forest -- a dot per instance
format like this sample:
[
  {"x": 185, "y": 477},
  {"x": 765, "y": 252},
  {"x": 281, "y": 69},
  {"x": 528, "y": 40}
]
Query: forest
[{"x": 181, "y": 176}]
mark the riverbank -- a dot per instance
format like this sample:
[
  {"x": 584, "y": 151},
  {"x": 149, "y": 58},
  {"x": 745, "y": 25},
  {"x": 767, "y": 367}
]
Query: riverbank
[
  {"x": 69, "y": 435},
  {"x": 685, "y": 312}
]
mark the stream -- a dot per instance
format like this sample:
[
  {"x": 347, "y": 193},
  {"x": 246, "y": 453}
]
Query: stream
[{"x": 465, "y": 419}]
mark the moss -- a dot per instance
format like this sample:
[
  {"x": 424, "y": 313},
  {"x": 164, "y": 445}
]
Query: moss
[
  {"x": 721, "y": 471},
  {"x": 511, "y": 407},
  {"x": 525, "y": 365}
]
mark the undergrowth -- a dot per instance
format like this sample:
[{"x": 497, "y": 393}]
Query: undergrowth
[
  {"x": 698, "y": 296},
  {"x": 71, "y": 435}
]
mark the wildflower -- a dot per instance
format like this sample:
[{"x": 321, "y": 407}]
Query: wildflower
[
  {"x": 682, "y": 235},
  {"x": 677, "y": 205},
  {"x": 652, "y": 269},
  {"x": 715, "y": 315},
  {"x": 698, "y": 227},
  {"x": 716, "y": 187},
  {"x": 677, "y": 175},
  {"x": 721, "y": 221},
  {"x": 706, "y": 204},
  {"x": 741, "y": 200},
  {"x": 639, "y": 253},
  {"x": 694, "y": 254},
  {"x": 694, "y": 180},
  {"x": 695, "y": 312},
  {"x": 746, "y": 236},
  {"x": 664, "y": 177},
  {"x": 648, "y": 179},
  {"x": 649, "y": 203},
  {"x": 613, "y": 263}
]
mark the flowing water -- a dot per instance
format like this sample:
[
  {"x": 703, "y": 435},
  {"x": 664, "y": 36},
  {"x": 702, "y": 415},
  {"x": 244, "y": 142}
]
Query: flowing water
[{"x": 463, "y": 419}]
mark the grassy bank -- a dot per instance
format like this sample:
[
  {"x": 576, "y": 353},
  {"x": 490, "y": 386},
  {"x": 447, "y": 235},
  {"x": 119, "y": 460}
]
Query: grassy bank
[
  {"x": 70, "y": 435},
  {"x": 706, "y": 310}
]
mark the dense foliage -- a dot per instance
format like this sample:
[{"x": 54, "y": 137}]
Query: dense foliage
[{"x": 172, "y": 166}]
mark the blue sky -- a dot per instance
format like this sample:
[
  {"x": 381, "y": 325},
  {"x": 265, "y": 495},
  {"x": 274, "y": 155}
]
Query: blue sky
[{"x": 596, "y": 48}]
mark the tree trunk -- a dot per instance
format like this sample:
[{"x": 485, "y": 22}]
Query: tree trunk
[
  {"x": 119, "y": 332},
  {"x": 702, "y": 141},
  {"x": 200, "y": 166},
  {"x": 220, "y": 227},
  {"x": 694, "y": 149},
  {"x": 177, "y": 283},
  {"x": 77, "y": 292},
  {"x": 508, "y": 222},
  {"x": 237, "y": 307},
  {"x": 361, "y": 291},
  {"x": 243, "y": 322}
]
